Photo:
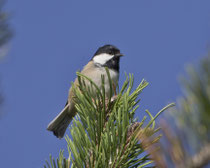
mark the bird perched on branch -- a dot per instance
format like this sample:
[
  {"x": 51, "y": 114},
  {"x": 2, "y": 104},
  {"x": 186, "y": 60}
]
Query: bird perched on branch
[{"x": 106, "y": 56}]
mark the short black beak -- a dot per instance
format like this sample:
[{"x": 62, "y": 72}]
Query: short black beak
[{"x": 119, "y": 55}]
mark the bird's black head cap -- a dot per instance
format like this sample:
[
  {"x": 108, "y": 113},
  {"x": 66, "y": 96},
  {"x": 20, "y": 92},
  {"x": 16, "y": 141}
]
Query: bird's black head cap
[
  {"x": 112, "y": 63},
  {"x": 108, "y": 49}
]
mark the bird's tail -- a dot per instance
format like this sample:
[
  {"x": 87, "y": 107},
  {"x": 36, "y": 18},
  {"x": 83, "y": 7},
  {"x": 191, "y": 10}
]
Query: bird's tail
[{"x": 59, "y": 125}]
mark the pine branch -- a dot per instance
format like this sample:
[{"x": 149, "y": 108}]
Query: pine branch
[
  {"x": 6, "y": 34},
  {"x": 105, "y": 132},
  {"x": 186, "y": 133}
]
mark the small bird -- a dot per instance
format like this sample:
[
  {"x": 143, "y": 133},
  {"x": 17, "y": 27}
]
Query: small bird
[{"x": 106, "y": 56}]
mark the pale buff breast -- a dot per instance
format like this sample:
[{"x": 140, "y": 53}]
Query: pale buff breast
[{"x": 94, "y": 73}]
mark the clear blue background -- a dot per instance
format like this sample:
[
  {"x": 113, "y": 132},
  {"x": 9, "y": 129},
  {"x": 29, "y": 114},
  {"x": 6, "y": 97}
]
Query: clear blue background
[{"x": 53, "y": 39}]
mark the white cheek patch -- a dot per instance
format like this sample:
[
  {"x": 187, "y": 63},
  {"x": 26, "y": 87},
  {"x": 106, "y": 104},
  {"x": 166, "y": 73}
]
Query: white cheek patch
[{"x": 102, "y": 58}]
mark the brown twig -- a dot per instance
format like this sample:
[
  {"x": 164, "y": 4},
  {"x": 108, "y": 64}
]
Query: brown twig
[{"x": 200, "y": 159}]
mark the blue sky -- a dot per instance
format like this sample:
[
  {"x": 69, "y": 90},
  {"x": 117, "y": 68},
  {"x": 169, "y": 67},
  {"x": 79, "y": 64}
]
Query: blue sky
[{"x": 53, "y": 39}]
